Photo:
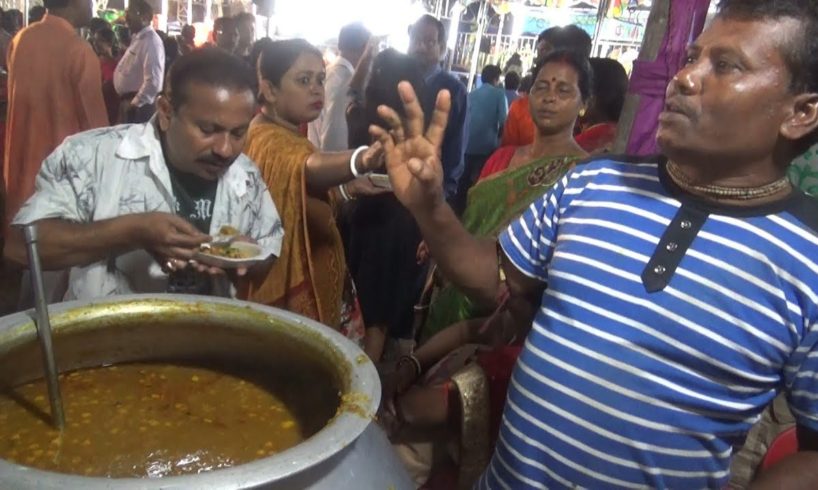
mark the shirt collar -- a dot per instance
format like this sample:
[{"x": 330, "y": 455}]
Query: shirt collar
[
  {"x": 144, "y": 32},
  {"x": 142, "y": 141},
  {"x": 434, "y": 71}
]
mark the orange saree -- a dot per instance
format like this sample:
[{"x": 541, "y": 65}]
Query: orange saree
[{"x": 310, "y": 276}]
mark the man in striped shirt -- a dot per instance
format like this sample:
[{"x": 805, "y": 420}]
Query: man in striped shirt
[{"x": 673, "y": 297}]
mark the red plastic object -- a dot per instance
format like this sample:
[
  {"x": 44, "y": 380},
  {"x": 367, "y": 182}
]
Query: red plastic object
[{"x": 784, "y": 444}]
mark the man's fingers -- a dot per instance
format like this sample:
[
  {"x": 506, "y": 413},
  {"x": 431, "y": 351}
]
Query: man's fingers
[
  {"x": 423, "y": 170},
  {"x": 177, "y": 253},
  {"x": 440, "y": 117},
  {"x": 183, "y": 240},
  {"x": 394, "y": 123},
  {"x": 414, "y": 113},
  {"x": 383, "y": 136},
  {"x": 184, "y": 226}
]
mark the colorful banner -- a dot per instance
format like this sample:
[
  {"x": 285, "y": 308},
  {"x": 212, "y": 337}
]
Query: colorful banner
[{"x": 538, "y": 19}]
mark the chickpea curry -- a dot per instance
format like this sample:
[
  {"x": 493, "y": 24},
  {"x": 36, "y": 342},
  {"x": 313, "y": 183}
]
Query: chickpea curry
[{"x": 150, "y": 420}]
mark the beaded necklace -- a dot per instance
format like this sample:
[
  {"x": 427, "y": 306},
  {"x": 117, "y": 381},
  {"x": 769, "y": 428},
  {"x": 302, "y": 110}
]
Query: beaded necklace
[{"x": 738, "y": 193}]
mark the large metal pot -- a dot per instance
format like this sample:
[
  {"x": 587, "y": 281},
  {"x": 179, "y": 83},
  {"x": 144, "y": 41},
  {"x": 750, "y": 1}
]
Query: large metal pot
[{"x": 349, "y": 452}]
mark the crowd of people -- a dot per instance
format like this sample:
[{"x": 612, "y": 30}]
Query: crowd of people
[{"x": 543, "y": 314}]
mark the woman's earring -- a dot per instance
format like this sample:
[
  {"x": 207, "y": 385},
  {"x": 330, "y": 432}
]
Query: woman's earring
[{"x": 582, "y": 113}]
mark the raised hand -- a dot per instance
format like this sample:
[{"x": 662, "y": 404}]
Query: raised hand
[{"x": 412, "y": 156}]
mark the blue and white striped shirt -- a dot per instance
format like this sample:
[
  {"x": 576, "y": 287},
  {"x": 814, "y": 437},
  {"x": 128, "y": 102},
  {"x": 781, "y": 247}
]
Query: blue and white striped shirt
[{"x": 618, "y": 387}]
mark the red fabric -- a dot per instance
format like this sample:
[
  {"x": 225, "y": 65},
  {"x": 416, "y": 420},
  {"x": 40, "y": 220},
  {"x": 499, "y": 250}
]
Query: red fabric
[
  {"x": 785, "y": 444},
  {"x": 599, "y": 137},
  {"x": 498, "y": 365},
  {"x": 519, "y": 127},
  {"x": 107, "y": 67},
  {"x": 498, "y": 161}
]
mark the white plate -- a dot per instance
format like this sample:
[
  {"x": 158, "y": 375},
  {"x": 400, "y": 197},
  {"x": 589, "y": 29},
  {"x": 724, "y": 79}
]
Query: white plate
[
  {"x": 255, "y": 254},
  {"x": 380, "y": 180}
]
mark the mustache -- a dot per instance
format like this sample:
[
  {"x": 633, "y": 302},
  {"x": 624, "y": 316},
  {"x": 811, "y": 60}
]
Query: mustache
[{"x": 216, "y": 160}]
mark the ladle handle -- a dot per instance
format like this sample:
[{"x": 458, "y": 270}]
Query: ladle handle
[{"x": 44, "y": 327}]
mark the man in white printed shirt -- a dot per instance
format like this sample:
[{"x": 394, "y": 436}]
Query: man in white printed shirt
[
  {"x": 124, "y": 208},
  {"x": 329, "y": 132},
  {"x": 138, "y": 76}
]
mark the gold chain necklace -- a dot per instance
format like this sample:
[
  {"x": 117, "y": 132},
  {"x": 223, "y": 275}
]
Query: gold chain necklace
[{"x": 738, "y": 193}]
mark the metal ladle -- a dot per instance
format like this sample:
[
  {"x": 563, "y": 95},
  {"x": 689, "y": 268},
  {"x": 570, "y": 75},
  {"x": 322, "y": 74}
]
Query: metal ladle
[{"x": 44, "y": 328}]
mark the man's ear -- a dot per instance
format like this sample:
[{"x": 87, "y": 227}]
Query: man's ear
[
  {"x": 164, "y": 112},
  {"x": 803, "y": 118}
]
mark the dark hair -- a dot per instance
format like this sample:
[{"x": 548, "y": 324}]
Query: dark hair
[
  {"x": 525, "y": 83},
  {"x": 55, "y": 4},
  {"x": 353, "y": 37},
  {"x": 12, "y": 20},
  {"x": 512, "y": 80},
  {"x": 36, "y": 13},
  {"x": 389, "y": 68},
  {"x": 211, "y": 66},
  {"x": 490, "y": 74},
  {"x": 189, "y": 29},
  {"x": 97, "y": 24},
  {"x": 567, "y": 37},
  {"x": 432, "y": 20},
  {"x": 107, "y": 34},
  {"x": 279, "y": 56},
  {"x": 142, "y": 8},
  {"x": 257, "y": 48},
  {"x": 799, "y": 54},
  {"x": 575, "y": 60},
  {"x": 609, "y": 88}
]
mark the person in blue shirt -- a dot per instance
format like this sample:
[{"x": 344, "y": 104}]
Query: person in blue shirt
[
  {"x": 427, "y": 44},
  {"x": 487, "y": 113},
  {"x": 665, "y": 300}
]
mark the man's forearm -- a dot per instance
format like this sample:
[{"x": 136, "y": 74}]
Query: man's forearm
[
  {"x": 469, "y": 263},
  {"x": 63, "y": 244}
]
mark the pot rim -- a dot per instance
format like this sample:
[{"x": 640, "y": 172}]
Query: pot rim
[{"x": 339, "y": 433}]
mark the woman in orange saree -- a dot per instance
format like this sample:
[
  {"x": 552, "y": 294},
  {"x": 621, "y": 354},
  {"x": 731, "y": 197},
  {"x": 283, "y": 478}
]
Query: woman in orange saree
[{"x": 310, "y": 277}]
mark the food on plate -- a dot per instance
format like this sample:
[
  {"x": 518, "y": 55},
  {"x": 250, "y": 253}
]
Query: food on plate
[
  {"x": 230, "y": 251},
  {"x": 228, "y": 230}
]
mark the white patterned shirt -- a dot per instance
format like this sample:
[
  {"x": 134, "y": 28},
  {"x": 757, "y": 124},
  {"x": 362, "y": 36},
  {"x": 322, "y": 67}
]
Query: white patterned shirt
[{"x": 105, "y": 173}]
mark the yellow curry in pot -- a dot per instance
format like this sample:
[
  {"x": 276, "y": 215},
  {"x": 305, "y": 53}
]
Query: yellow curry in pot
[{"x": 152, "y": 420}]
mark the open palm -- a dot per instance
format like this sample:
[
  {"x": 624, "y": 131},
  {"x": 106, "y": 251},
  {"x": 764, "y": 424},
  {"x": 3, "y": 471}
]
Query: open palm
[{"x": 412, "y": 155}]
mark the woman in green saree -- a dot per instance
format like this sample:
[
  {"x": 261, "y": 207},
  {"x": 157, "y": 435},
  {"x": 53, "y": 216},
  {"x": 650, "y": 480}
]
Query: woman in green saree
[{"x": 514, "y": 177}]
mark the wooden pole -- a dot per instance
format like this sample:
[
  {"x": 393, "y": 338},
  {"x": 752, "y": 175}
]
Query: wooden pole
[{"x": 654, "y": 35}]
